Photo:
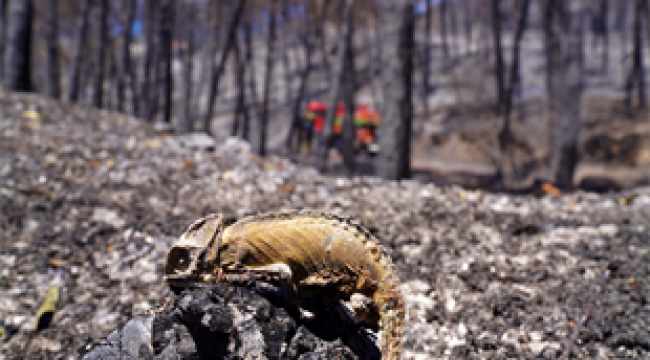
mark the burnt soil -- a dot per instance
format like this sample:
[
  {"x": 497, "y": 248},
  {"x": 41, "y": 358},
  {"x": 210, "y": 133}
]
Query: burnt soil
[{"x": 91, "y": 200}]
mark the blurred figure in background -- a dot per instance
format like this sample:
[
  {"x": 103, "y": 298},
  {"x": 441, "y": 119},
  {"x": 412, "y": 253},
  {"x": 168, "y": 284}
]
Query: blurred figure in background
[
  {"x": 366, "y": 122},
  {"x": 312, "y": 123}
]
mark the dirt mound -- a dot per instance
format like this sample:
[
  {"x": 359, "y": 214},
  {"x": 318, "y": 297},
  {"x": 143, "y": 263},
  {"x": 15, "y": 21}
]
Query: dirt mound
[{"x": 458, "y": 144}]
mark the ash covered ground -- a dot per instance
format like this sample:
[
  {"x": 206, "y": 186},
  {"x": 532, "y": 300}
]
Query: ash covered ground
[{"x": 90, "y": 201}]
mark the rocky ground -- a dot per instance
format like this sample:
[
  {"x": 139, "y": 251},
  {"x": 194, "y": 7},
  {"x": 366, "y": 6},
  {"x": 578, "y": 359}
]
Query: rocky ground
[
  {"x": 90, "y": 201},
  {"x": 222, "y": 321}
]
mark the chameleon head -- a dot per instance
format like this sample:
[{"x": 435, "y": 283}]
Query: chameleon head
[{"x": 186, "y": 259}]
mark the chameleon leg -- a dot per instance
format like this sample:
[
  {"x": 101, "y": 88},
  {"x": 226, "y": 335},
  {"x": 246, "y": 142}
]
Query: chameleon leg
[
  {"x": 278, "y": 273},
  {"x": 273, "y": 273},
  {"x": 334, "y": 283}
]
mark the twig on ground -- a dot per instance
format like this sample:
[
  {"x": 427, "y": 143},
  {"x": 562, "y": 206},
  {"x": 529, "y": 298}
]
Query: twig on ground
[{"x": 585, "y": 314}]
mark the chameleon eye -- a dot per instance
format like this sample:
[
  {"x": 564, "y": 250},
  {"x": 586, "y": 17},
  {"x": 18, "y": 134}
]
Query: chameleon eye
[{"x": 178, "y": 260}]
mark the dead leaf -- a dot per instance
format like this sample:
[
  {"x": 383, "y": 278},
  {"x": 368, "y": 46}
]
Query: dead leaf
[
  {"x": 153, "y": 143},
  {"x": 226, "y": 175},
  {"x": 571, "y": 324},
  {"x": 57, "y": 262},
  {"x": 627, "y": 200},
  {"x": 32, "y": 191},
  {"x": 266, "y": 166},
  {"x": 187, "y": 163},
  {"x": 633, "y": 283},
  {"x": 286, "y": 188},
  {"x": 31, "y": 115},
  {"x": 46, "y": 311},
  {"x": 550, "y": 189},
  {"x": 95, "y": 164}
]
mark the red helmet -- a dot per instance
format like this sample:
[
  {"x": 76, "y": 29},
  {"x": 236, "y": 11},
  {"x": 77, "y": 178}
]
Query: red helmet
[{"x": 316, "y": 106}]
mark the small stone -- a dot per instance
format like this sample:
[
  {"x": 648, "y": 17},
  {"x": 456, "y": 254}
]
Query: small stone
[
  {"x": 462, "y": 329},
  {"x": 450, "y": 304},
  {"x": 149, "y": 278},
  {"x": 8, "y": 260},
  {"x": 608, "y": 229},
  {"x": 108, "y": 216}
]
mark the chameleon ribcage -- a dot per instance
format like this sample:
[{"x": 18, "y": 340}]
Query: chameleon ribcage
[{"x": 322, "y": 250}]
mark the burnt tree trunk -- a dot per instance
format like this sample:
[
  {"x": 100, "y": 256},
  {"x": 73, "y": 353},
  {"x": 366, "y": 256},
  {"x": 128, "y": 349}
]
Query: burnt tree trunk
[
  {"x": 601, "y": 26},
  {"x": 514, "y": 77},
  {"x": 397, "y": 68},
  {"x": 53, "y": 88},
  {"x": 564, "y": 71},
  {"x": 505, "y": 133},
  {"x": 452, "y": 14},
  {"x": 110, "y": 75},
  {"x": 147, "y": 93},
  {"x": 186, "y": 123},
  {"x": 338, "y": 83},
  {"x": 636, "y": 75},
  {"x": 442, "y": 19},
  {"x": 242, "y": 120},
  {"x": 250, "y": 64},
  {"x": 373, "y": 47},
  {"x": 300, "y": 95},
  {"x": 308, "y": 41},
  {"x": 218, "y": 70},
  {"x": 3, "y": 37},
  {"x": 126, "y": 76},
  {"x": 18, "y": 53},
  {"x": 647, "y": 24},
  {"x": 77, "y": 57},
  {"x": 167, "y": 9},
  {"x": 469, "y": 11},
  {"x": 268, "y": 73},
  {"x": 498, "y": 55},
  {"x": 322, "y": 45},
  {"x": 348, "y": 90},
  {"x": 101, "y": 43},
  {"x": 426, "y": 67},
  {"x": 286, "y": 50}
]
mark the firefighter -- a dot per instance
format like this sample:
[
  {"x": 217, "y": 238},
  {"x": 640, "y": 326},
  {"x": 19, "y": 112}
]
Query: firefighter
[
  {"x": 366, "y": 122},
  {"x": 373, "y": 148},
  {"x": 312, "y": 123}
]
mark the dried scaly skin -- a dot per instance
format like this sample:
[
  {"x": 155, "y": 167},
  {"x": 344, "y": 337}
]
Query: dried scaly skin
[{"x": 321, "y": 252}]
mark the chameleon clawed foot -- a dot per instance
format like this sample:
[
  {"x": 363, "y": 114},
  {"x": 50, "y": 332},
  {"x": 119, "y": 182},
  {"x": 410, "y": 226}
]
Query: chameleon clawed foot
[
  {"x": 364, "y": 308},
  {"x": 306, "y": 315},
  {"x": 282, "y": 270}
]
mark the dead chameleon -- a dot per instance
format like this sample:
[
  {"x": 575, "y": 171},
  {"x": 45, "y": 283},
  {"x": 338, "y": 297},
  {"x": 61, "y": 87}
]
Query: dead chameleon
[{"x": 306, "y": 251}]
